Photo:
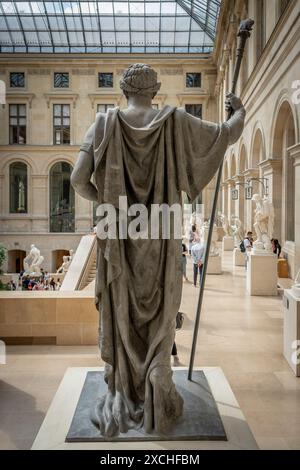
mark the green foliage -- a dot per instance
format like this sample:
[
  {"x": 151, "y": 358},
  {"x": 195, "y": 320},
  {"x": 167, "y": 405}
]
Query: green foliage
[{"x": 3, "y": 254}]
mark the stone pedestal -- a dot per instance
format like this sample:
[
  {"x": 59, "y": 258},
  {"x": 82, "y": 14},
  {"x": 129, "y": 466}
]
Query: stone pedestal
[
  {"x": 239, "y": 258},
  {"x": 53, "y": 432},
  {"x": 214, "y": 265},
  {"x": 291, "y": 330},
  {"x": 227, "y": 243},
  {"x": 262, "y": 274}
]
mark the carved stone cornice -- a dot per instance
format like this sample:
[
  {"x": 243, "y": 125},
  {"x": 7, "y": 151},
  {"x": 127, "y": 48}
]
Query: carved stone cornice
[
  {"x": 183, "y": 98},
  {"x": 251, "y": 173},
  {"x": 16, "y": 97},
  {"x": 294, "y": 153},
  {"x": 71, "y": 97},
  {"x": 105, "y": 98},
  {"x": 271, "y": 165}
]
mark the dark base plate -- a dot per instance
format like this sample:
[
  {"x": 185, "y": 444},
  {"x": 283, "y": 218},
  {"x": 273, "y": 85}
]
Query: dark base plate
[{"x": 200, "y": 420}]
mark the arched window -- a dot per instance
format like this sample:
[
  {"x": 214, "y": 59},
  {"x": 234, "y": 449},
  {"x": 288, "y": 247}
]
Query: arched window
[
  {"x": 62, "y": 199},
  {"x": 18, "y": 188}
]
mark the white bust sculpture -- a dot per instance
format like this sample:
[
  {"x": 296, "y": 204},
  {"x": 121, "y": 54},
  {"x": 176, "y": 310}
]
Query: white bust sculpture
[
  {"x": 32, "y": 262},
  {"x": 263, "y": 223}
]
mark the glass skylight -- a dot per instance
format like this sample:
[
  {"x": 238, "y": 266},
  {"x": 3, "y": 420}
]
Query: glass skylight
[{"x": 109, "y": 27}]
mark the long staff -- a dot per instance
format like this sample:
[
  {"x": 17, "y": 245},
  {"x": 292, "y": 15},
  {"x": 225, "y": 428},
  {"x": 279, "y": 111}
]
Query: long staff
[{"x": 243, "y": 34}]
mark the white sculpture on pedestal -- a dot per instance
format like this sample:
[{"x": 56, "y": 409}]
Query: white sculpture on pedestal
[
  {"x": 226, "y": 226},
  {"x": 238, "y": 230},
  {"x": 263, "y": 224},
  {"x": 32, "y": 262},
  {"x": 66, "y": 263},
  {"x": 296, "y": 286},
  {"x": 204, "y": 235}
]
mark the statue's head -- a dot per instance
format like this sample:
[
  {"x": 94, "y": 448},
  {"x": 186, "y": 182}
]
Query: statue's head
[{"x": 139, "y": 79}]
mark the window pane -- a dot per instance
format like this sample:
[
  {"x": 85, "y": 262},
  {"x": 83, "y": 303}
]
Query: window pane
[
  {"x": 22, "y": 109},
  {"x": 57, "y": 109},
  {"x": 193, "y": 80},
  {"x": 13, "y": 110},
  {"x": 66, "y": 110},
  {"x": 105, "y": 80},
  {"x": 61, "y": 80},
  {"x": 18, "y": 188},
  {"x": 194, "y": 109},
  {"x": 17, "y": 79}
]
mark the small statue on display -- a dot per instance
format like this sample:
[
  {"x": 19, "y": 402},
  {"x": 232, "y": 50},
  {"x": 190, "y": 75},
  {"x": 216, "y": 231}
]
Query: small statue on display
[
  {"x": 66, "y": 263},
  {"x": 263, "y": 224},
  {"x": 238, "y": 230},
  {"x": 32, "y": 262},
  {"x": 226, "y": 226}
]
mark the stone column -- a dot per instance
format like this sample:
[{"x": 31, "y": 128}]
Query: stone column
[
  {"x": 224, "y": 198},
  {"x": 271, "y": 169},
  {"x": 249, "y": 208},
  {"x": 240, "y": 202},
  {"x": 83, "y": 214},
  {"x": 295, "y": 154},
  {"x": 230, "y": 210},
  {"x": 38, "y": 203}
]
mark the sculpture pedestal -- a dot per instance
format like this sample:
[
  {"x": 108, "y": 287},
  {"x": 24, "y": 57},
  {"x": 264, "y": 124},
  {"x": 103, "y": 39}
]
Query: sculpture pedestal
[
  {"x": 227, "y": 243},
  {"x": 291, "y": 330},
  {"x": 262, "y": 274},
  {"x": 214, "y": 265},
  {"x": 54, "y": 430},
  {"x": 239, "y": 258}
]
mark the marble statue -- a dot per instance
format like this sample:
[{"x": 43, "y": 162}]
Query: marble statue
[
  {"x": 214, "y": 251},
  {"x": 32, "y": 262},
  {"x": 263, "y": 223},
  {"x": 226, "y": 226},
  {"x": 238, "y": 230},
  {"x": 148, "y": 156},
  {"x": 67, "y": 259}
]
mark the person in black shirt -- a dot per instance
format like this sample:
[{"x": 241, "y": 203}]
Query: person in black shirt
[{"x": 276, "y": 247}]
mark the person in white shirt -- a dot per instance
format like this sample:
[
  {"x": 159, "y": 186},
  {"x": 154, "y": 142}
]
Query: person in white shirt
[{"x": 197, "y": 252}]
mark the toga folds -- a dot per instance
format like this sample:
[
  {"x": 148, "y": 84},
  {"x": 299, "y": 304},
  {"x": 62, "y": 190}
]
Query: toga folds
[{"x": 139, "y": 282}]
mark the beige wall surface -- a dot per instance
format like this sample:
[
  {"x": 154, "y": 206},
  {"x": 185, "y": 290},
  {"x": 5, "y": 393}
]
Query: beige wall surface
[
  {"x": 62, "y": 318},
  {"x": 269, "y": 85}
]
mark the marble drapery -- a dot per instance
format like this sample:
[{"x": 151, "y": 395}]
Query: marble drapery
[{"x": 138, "y": 284}]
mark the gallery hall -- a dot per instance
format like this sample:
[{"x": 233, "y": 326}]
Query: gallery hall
[{"x": 150, "y": 225}]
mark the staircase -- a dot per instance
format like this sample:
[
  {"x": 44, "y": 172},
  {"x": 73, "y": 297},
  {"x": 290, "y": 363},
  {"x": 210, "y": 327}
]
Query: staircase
[
  {"x": 82, "y": 270},
  {"x": 90, "y": 275}
]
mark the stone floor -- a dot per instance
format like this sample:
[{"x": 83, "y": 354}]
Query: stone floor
[{"x": 239, "y": 333}]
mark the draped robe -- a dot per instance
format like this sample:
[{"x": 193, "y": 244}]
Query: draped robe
[{"x": 138, "y": 282}]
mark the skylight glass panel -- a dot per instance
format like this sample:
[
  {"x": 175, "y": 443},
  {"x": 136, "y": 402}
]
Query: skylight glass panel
[
  {"x": 121, "y": 8},
  {"x": 168, "y": 8},
  {"x": 152, "y": 8},
  {"x": 105, "y": 7},
  {"x": 132, "y": 26},
  {"x": 122, "y": 23},
  {"x": 136, "y": 8}
]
